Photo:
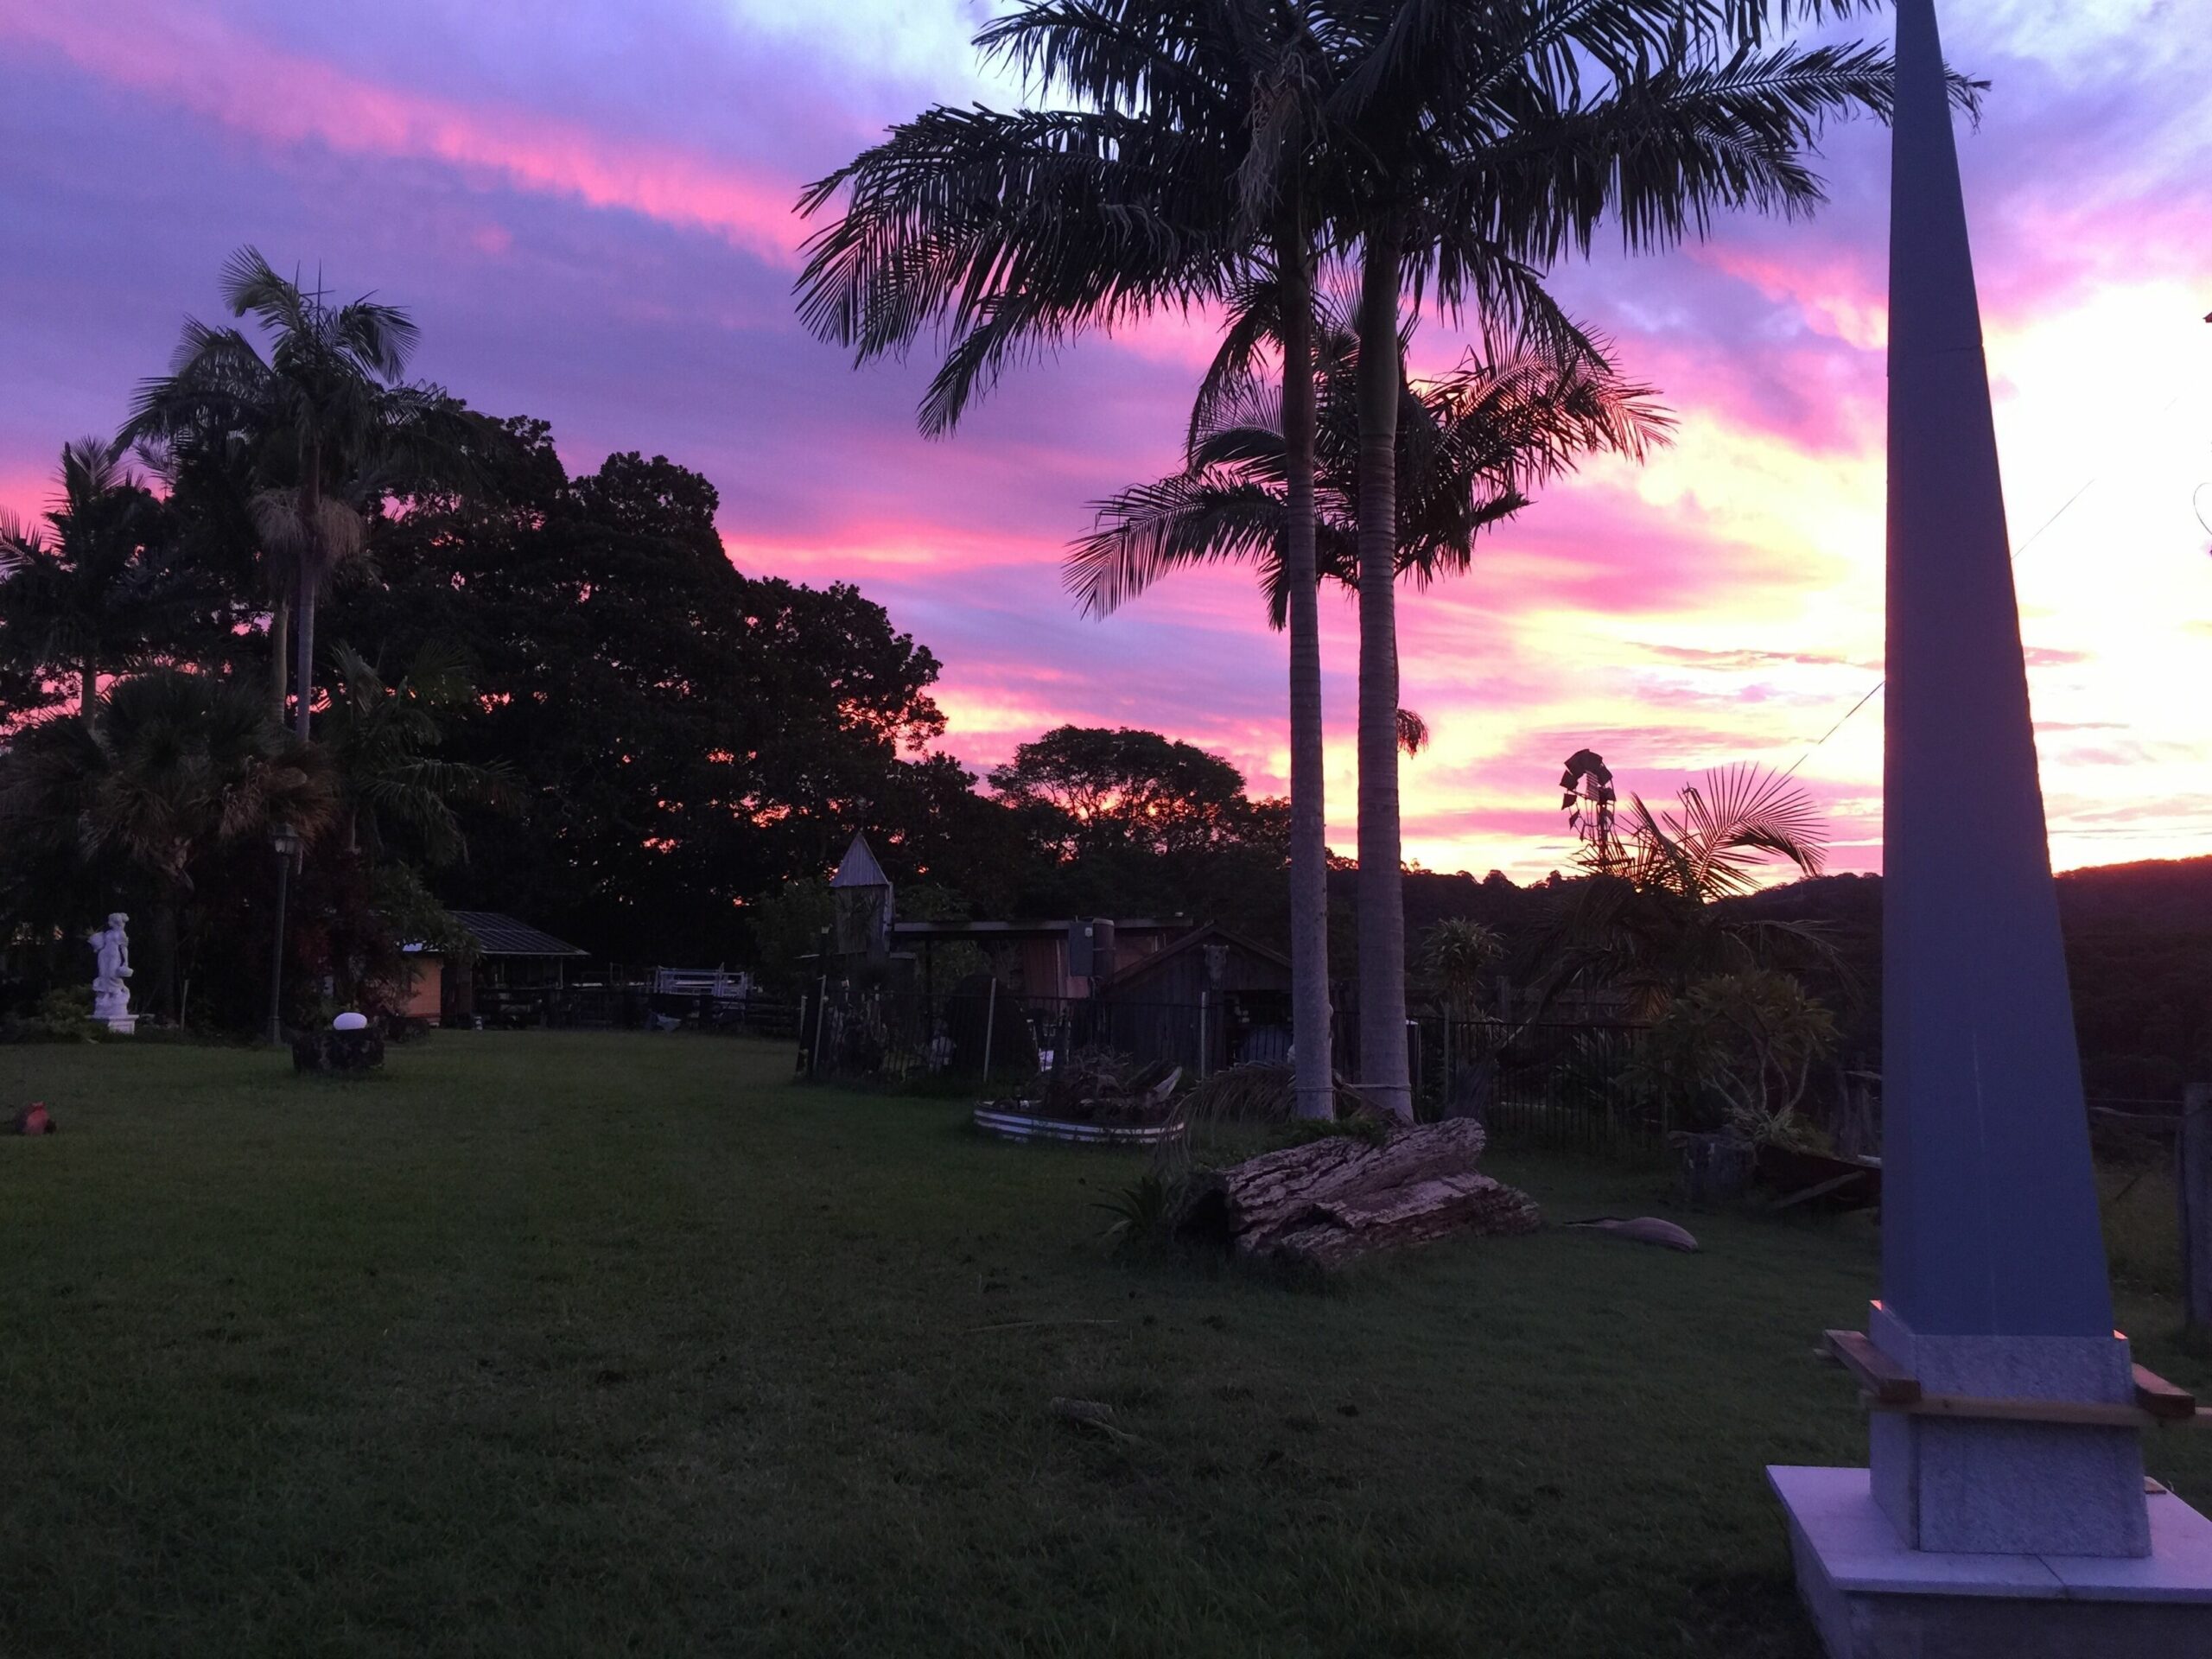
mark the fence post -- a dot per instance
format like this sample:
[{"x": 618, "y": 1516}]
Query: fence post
[
  {"x": 803, "y": 998},
  {"x": 820, "y": 1024},
  {"x": 1202, "y": 1034},
  {"x": 2193, "y": 1196},
  {"x": 990, "y": 1025}
]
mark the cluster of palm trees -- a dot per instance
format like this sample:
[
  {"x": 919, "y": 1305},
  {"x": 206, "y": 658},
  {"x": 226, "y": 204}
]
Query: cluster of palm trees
[
  {"x": 311, "y": 437},
  {"x": 1316, "y": 173},
  {"x": 277, "y": 453}
]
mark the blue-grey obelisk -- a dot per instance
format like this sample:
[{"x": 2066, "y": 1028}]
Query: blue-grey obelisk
[
  {"x": 1993, "y": 1279},
  {"x": 2005, "y": 1513}
]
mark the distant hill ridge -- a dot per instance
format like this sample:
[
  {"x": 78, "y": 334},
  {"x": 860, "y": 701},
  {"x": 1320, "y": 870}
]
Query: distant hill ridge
[{"x": 2139, "y": 950}]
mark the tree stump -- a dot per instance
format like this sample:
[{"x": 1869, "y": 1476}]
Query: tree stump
[
  {"x": 344, "y": 1053},
  {"x": 1714, "y": 1169},
  {"x": 1317, "y": 1206}
]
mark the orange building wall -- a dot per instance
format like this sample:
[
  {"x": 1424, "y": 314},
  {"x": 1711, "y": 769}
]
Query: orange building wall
[{"x": 426, "y": 993}]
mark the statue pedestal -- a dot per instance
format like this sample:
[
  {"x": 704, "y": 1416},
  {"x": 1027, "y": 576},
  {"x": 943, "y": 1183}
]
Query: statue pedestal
[
  {"x": 112, "y": 1009},
  {"x": 1872, "y": 1597}
]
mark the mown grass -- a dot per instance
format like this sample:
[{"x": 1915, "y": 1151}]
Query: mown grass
[{"x": 554, "y": 1343}]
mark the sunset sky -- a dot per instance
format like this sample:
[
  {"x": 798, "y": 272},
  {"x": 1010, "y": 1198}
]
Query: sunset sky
[{"x": 587, "y": 206}]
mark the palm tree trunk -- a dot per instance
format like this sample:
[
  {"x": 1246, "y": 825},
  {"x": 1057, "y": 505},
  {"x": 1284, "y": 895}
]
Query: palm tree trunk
[
  {"x": 1314, "y": 1082},
  {"x": 167, "y": 934},
  {"x": 304, "y": 588},
  {"x": 88, "y": 690},
  {"x": 303, "y": 657},
  {"x": 1383, "y": 1072},
  {"x": 280, "y": 655}
]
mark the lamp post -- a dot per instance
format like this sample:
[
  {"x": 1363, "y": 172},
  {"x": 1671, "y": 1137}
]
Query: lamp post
[{"x": 284, "y": 841}]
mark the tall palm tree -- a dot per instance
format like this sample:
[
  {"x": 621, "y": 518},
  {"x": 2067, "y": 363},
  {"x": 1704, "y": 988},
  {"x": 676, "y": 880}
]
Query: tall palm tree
[
  {"x": 1016, "y": 232},
  {"x": 171, "y": 768},
  {"x": 1492, "y": 140},
  {"x": 331, "y": 426},
  {"x": 1179, "y": 173},
  {"x": 377, "y": 733},
  {"x": 1472, "y": 445},
  {"x": 91, "y": 592}
]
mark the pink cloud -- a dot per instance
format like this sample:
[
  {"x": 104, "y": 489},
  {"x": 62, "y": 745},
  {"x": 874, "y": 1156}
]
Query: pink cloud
[
  {"x": 1834, "y": 297},
  {"x": 1596, "y": 550},
  {"x": 416, "y": 144},
  {"x": 227, "y": 76}
]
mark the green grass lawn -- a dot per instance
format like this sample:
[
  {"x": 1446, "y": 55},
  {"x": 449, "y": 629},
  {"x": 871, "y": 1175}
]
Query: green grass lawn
[{"x": 553, "y": 1343}]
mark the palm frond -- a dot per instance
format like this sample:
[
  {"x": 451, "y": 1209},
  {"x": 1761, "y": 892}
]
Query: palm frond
[
  {"x": 1012, "y": 234},
  {"x": 1412, "y": 732},
  {"x": 1151, "y": 530},
  {"x": 251, "y": 285},
  {"x": 381, "y": 337}
]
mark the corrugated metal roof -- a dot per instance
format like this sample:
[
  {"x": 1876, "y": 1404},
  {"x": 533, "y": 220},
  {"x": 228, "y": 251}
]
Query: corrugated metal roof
[
  {"x": 1042, "y": 930},
  {"x": 858, "y": 869},
  {"x": 498, "y": 935}
]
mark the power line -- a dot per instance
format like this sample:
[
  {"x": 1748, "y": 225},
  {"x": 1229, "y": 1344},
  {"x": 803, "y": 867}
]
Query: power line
[{"x": 2065, "y": 507}]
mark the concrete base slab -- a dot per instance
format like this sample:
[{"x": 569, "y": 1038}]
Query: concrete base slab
[{"x": 1871, "y": 1597}]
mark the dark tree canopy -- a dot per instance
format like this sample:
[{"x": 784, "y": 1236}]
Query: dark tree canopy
[
  {"x": 1092, "y": 788},
  {"x": 1119, "y": 822},
  {"x": 686, "y": 737}
]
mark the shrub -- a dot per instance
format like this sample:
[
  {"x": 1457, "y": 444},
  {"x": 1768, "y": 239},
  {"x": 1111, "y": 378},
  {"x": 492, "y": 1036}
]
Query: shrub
[
  {"x": 1749, "y": 1040},
  {"x": 63, "y": 1015}
]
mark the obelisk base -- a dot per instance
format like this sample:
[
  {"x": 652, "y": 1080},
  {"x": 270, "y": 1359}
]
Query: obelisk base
[
  {"x": 1871, "y": 1597},
  {"x": 2010, "y": 1488}
]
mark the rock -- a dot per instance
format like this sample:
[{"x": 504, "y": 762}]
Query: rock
[
  {"x": 1092, "y": 1415},
  {"x": 1644, "y": 1230}
]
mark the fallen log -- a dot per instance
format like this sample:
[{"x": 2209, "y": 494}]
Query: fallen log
[{"x": 1318, "y": 1205}]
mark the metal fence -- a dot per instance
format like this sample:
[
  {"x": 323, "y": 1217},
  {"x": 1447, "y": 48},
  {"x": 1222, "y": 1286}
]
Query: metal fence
[
  {"x": 635, "y": 1007},
  {"x": 1565, "y": 1086},
  {"x": 993, "y": 1035}
]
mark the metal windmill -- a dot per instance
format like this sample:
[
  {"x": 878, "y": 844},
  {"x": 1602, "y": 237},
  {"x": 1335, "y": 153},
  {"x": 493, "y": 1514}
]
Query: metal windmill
[{"x": 1589, "y": 801}]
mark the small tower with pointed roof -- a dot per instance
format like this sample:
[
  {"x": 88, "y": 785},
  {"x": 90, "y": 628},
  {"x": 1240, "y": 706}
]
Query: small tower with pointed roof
[{"x": 862, "y": 894}]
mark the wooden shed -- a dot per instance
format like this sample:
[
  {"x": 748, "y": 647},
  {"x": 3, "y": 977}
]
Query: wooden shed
[
  {"x": 1208, "y": 1000},
  {"x": 517, "y": 967}
]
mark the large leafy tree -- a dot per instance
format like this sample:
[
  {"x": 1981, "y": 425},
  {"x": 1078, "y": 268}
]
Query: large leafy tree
[
  {"x": 1176, "y": 176},
  {"x": 1118, "y": 821},
  {"x": 92, "y": 591},
  {"x": 324, "y": 422},
  {"x": 1094, "y": 790},
  {"x": 683, "y": 737}
]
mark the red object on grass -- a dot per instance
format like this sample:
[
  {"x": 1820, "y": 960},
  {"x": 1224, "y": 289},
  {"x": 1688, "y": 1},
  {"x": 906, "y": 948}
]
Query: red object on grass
[{"x": 34, "y": 1119}]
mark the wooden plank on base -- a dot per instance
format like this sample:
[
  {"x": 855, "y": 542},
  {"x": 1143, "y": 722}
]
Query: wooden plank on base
[
  {"x": 2162, "y": 1399},
  {"x": 1889, "y": 1382}
]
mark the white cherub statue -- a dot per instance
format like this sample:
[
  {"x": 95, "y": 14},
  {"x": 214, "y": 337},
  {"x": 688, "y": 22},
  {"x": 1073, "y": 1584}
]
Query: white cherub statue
[{"x": 111, "y": 996}]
